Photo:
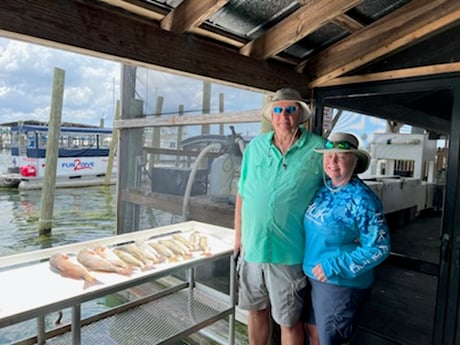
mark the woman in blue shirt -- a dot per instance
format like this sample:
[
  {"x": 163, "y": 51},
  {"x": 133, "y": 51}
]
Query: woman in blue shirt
[{"x": 346, "y": 237}]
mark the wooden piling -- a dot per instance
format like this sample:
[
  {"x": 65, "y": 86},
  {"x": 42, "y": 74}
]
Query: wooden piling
[
  {"x": 221, "y": 110},
  {"x": 156, "y": 133},
  {"x": 113, "y": 143},
  {"x": 179, "y": 134},
  {"x": 52, "y": 146},
  {"x": 205, "y": 129}
]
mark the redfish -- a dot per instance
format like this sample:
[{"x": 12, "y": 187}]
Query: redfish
[
  {"x": 60, "y": 263},
  {"x": 94, "y": 262}
]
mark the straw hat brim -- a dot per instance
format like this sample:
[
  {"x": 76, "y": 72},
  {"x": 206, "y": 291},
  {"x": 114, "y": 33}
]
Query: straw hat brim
[
  {"x": 363, "y": 157},
  {"x": 304, "y": 116}
]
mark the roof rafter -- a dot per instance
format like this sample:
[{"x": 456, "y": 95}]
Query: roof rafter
[
  {"x": 396, "y": 74},
  {"x": 420, "y": 18},
  {"x": 143, "y": 9},
  {"x": 347, "y": 23},
  {"x": 293, "y": 28},
  {"x": 95, "y": 28},
  {"x": 190, "y": 14}
]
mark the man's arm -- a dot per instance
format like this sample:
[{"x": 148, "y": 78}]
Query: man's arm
[{"x": 237, "y": 243}]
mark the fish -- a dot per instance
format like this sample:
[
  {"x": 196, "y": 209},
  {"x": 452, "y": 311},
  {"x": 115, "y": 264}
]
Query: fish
[
  {"x": 62, "y": 264},
  {"x": 113, "y": 258},
  {"x": 190, "y": 245},
  {"x": 203, "y": 242},
  {"x": 149, "y": 252},
  {"x": 195, "y": 239},
  {"x": 176, "y": 247},
  {"x": 138, "y": 253},
  {"x": 94, "y": 262},
  {"x": 131, "y": 259},
  {"x": 164, "y": 250}
]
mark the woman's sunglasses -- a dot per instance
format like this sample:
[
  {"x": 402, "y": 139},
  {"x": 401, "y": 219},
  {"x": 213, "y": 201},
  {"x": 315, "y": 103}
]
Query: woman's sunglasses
[
  {"x": 342, "y": 145},
  {"x": 290, "y": 109}
]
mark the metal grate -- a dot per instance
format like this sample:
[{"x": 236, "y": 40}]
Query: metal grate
[{"x": 163, "y": 321}]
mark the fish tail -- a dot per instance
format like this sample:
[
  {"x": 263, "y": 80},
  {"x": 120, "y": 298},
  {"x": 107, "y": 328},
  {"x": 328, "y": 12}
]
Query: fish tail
[
  {"x": 91, "y": 281},
  {"x": 148, "y": 266},
  {"x": 125, "y": 271}
]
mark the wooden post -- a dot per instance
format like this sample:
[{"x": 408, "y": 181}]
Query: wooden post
[
  {"x": 52, "y": 147},
  {"x": 113, "y": 143},
  {"x": 179, "y": 134},
  {"x": 221, "y": 110},
  {"x": 205, "y": 129},
  {"x": 156, "y": 134}
]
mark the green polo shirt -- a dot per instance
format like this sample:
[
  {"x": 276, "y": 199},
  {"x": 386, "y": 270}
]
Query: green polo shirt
[{"x": 275, "y": 197}]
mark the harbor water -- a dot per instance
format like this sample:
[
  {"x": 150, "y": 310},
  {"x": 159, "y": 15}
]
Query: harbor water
[{"x": 80, "y": 214}]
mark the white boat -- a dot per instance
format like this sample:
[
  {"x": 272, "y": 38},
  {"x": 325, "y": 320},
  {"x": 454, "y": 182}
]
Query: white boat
[{"x": 83, "y": 155}]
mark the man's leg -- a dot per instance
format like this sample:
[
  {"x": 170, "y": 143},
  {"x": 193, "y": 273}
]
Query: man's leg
[
  {"x": 292, "y": 335},
  {"x": 312, "y": 334},
  {"x": 258, "y": 327}
]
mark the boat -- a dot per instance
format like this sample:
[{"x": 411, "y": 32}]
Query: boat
[{"x": 83, "y": 155}]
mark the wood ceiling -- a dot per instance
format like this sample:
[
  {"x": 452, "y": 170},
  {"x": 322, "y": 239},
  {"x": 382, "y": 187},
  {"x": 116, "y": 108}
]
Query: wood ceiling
[{"x": 258, "y": 44}]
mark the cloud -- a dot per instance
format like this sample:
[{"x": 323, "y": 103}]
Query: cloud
[
  {"x": 26, "y": 81},
  {"x": 92, "y": 87}
]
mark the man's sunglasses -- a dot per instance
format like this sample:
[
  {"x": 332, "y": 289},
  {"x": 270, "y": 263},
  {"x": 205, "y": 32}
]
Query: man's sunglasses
[
  {"x": 290, "y": 109},
  {"x": 342, "y": 145}
]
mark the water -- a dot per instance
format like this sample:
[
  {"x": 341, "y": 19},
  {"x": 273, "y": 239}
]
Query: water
[{"x": 80, "y": 214}]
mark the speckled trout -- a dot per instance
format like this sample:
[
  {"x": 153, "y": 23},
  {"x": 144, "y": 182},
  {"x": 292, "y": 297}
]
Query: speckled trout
[{"x": 113, "y": 258}]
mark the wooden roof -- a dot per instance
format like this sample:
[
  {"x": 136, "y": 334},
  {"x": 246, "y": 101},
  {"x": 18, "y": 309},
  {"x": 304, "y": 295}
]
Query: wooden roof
[
  {"x": 263, "y": 44},
  {"x": 260, "y": 44}
]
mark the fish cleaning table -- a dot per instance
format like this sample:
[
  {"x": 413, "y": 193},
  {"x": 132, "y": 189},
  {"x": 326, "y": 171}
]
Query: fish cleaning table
[{"x": 30, "y": 289}]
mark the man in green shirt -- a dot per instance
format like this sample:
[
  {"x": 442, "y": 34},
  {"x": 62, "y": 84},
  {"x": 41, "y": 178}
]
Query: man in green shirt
[{"x": 280, "y": 173}]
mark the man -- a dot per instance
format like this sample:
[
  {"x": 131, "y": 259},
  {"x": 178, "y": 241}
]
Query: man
[{"x": 280, "y": 173}]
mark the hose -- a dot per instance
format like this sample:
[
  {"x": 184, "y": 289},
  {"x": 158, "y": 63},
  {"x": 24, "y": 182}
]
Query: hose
[{"x": 191, "y": 178}]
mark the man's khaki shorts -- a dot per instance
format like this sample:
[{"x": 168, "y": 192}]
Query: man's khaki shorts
[{"x": 280, "y": 287}]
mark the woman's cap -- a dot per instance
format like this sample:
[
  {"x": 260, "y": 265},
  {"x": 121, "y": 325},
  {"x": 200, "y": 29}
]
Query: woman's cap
[{"x": 346, "y": 142}]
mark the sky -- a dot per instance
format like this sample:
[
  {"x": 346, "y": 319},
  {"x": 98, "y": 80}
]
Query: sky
[{"x": 92, "y": 87}]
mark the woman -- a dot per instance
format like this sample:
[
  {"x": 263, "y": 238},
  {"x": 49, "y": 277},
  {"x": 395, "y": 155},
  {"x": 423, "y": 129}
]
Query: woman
[{"x": 346, "y": 238}]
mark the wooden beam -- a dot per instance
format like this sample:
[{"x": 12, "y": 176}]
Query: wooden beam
[
  {"x": 201, "y": 208},
  {"x": 173, "y": 152},
  {"x": 401, "y": 113},
  {"x": 405, "y": 26},
  {"x": 138, "y": 7},
  {"x": 146, "y": 10},
  {"x": 250, "y": 116},
  {"x": 190, "y": 14},
  {"x": 396, "y": 74},
  {"x": 391, "y": 111},
  {"x": 292, "y": 29},
  {"x": 347, "y": 23},
  {"x": 97, "y": 29}
]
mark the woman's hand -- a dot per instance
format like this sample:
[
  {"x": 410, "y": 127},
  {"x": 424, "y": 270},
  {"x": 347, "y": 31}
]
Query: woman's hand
[{"x": 319, "y": 273}]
